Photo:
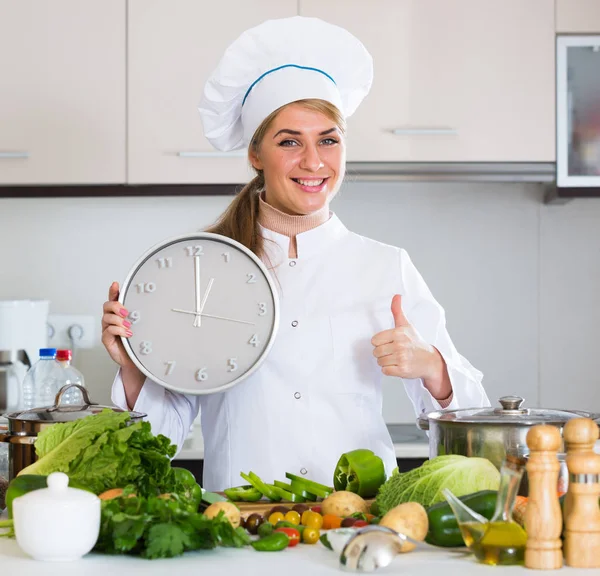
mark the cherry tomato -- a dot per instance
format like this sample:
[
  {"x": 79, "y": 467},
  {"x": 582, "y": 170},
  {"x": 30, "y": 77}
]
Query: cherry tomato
[
  {"x": 316, "y": 509},
  {"x": 293, "y": 517},
  {"x": 360, "y": 524},
  {"x": 275, "y": 517},
  {"x": 310, "y": 535},
  {"x": 331, "y": 521},
  {"x": 292, "y": 534},
  {"x": 348, "y": 522},
  {"x": 312, "y": 520}
]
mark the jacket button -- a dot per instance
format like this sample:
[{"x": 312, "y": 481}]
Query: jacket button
[
  {"x": 304, "y": 471},
  {"x": 292, "y": 263},
  {"x": 295, "y": 323},
  {"x": 297, "y": 395}
]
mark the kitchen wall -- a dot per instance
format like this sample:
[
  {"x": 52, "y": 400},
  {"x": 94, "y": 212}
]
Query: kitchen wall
[{"x": 519, "y": 279}]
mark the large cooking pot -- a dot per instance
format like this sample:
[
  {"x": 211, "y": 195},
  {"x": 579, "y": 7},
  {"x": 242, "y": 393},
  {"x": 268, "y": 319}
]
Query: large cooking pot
[
  {"x": 490, "y": 432},
  {"x": 23, "y": 427}
]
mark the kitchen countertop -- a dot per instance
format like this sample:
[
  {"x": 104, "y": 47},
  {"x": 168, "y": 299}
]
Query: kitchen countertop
[
  {"x": 304, "y": 559},
  {"x": 409, "y": 442}
]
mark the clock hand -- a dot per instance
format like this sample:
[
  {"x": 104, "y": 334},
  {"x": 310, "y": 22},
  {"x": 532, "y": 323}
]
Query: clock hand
[
  {"x": 211, "y": 316},
  {"x": 198, "y": 318},
  {"x": 208, "y": 288}
]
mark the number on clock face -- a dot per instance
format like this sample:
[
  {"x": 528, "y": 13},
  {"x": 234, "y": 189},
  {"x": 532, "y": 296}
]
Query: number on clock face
[
  {"x": 194, "y": 250},
  {"x": 206, "y": 321}
]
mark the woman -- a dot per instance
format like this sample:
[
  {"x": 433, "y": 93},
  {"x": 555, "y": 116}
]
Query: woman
[{"x": 352, "y": 309}]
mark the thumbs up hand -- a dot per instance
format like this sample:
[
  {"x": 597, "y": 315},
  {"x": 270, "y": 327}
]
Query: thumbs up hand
[{"x": 402, "y": 352}]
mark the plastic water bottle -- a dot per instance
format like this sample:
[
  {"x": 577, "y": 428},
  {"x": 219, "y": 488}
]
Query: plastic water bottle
[
  {"x": 69, "y": 375},
  {"x": 40, "y": 384}
]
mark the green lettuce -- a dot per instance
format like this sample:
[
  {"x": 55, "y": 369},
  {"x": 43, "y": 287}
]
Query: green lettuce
[
  {"x": 424, "y": 484},
  {"x": 106, "y": 451}
]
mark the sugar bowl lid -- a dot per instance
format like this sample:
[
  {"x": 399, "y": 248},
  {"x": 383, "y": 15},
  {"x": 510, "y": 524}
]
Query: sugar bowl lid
[{"x": 58, "y": 493}]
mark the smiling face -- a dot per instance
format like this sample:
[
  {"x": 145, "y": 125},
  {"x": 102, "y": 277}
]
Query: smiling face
[{"x": 302, "y": 155}]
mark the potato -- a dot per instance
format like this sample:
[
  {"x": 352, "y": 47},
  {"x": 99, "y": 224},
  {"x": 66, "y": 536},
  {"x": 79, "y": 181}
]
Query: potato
[
  {"x": 343, "y": 504},
  {"x": 409, "y": 519},
  {"x": 230, "y": 510}
]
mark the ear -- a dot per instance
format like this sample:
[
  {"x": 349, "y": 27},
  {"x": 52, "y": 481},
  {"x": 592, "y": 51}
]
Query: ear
[{"x": 254, "y": 159}]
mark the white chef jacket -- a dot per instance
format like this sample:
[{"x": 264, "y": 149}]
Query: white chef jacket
[{"x": 318, "y": 394}]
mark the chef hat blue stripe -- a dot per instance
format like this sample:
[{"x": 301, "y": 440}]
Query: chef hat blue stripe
[{"x": 279, "y": 68}]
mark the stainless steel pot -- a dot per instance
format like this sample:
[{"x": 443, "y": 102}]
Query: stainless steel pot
[
  {"x": 23, "y": 427},
  {"x": 491, "y": 432}
]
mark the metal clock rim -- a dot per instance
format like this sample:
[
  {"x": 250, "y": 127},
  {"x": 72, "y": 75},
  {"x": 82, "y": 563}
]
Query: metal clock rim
[{"x": 199, "y": 236}]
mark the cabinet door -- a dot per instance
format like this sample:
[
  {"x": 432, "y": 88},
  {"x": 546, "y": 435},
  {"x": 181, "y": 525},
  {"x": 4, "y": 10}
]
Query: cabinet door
[
  {"x": 174, "y": 45},
  {"x": 578, "y": 16},
  {"x": 455, "y": 81},
  {"x": 62, "y": 92}
]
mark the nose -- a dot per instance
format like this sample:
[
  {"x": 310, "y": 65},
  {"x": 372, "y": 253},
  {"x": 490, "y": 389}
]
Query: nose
[{"x": 311, "y": 160}]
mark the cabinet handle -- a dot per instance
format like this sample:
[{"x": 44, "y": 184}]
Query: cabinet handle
[
  {"x": 7, "y": 155},
  {"x": 236, "y": 154},
  {"x": 425, "y": 131}
]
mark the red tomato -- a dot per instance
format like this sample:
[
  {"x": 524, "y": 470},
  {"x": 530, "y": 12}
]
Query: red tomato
[
  {"x": 292, "y": 534},
  {"x": 316, "y": 509},
  {"x": 360, "y": 524}
]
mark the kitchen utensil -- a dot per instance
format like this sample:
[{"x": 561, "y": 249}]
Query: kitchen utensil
[
  {"x": 57, "y": 523},
  {"x": 490, "y": 433},
  {"x": 372, "y": 547},
  {"x": 499, "y": 541},
  {"x": 23, "y": 427}
]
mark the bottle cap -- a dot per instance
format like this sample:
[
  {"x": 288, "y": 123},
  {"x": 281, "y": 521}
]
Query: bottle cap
[
  {"x": 63, "y": 355},
  {"x": 45, "y": 352}
]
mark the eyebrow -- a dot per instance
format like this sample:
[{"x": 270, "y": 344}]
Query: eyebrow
[{"x": 297, "y": 133}]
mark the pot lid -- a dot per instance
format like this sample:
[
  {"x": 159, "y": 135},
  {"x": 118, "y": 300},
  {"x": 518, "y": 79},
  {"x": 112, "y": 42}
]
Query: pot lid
[
  {"x": 510, "y": 412},
  {"x": 66, "y": 412}
]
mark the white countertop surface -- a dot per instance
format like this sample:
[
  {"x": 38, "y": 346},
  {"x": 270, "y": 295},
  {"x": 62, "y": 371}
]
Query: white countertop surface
[
  {"x": 193, "y": 447},
  {"x": 299, "y": 561}
]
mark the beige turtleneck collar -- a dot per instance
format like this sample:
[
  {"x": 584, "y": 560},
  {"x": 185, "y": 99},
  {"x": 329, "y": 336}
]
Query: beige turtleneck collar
[{"x": 288, "y": 225}]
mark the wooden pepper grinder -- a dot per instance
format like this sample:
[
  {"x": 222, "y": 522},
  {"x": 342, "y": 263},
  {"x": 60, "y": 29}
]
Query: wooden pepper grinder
[
  {"x": 543, "y": 517},
  {"x": 582, "y": 520},
  {"x": 580, "y": 435}
]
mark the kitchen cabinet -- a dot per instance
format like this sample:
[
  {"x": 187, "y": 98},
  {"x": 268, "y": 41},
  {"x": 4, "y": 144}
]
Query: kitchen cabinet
[
  {"x": 455, "y": 81},
  {"x": 578, "y": 16},
  {"x": 578, "y": 111},
  {"x": 173, "y": 46},
  {"x": 62, "y": 92}
]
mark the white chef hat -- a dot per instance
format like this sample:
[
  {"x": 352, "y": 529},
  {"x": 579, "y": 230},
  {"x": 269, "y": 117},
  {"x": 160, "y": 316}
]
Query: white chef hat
[{"x": 278, "y": 62}]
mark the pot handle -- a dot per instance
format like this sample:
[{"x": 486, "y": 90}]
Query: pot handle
[
  {"x": 423, "y": 422},
  {"x": 84, "y": 393}
]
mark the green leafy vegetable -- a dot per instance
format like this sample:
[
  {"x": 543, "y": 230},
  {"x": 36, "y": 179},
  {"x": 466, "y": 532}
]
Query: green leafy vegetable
[
  {"x": 105, "y": 451},
  {"x": 424, "y": 484},
  {"x": 161, "y": 528}
]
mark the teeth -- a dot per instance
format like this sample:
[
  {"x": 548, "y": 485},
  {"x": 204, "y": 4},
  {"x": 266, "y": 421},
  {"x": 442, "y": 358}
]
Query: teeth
[{"x": 311, "y": 182}]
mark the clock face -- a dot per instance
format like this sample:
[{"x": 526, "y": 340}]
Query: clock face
[{"x": 204, "y": 313}]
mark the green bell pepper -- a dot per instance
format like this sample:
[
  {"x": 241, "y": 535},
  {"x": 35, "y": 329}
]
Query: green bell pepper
[
  {"x": 243, "y": 494},
  {"x": 187, "y": 488},
  {"x": 360, "y": 471},
  {"x": 265, "y": 489}
]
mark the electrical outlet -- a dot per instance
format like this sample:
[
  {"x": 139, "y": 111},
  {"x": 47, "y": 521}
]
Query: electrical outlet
[{"x": 83, "y": 331}]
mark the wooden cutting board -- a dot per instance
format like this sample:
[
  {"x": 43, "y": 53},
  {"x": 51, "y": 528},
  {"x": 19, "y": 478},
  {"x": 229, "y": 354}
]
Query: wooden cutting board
[{"x": 262, "y": 507}]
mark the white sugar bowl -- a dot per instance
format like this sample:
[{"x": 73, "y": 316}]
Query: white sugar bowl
[{"x": 58, "y": 523}]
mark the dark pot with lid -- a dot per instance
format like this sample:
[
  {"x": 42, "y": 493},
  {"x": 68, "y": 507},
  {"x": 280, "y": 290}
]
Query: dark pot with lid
[
  {"x": 23, "y": 427},
  {"x": 491, "y": 432}
]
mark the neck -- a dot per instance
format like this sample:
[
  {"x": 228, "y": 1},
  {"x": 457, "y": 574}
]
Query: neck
[{"x": 288, "y": 225}]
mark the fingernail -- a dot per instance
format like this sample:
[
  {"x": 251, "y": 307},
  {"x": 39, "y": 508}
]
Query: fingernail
[
  {"x": 126, "y": 323},
  {"x": 129, "y": 333},
  {"x": 123, "y": 312}
]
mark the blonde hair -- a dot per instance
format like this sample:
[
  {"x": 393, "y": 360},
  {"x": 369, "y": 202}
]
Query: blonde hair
[{"x": 240, "y": 220}]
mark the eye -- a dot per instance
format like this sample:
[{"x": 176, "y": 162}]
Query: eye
[
  {"x": 288, "y": 143},
  {"x": 329, "y": 141}
]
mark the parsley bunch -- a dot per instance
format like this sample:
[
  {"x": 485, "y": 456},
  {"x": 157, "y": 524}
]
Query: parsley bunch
[{"x": 156, "y": 527}]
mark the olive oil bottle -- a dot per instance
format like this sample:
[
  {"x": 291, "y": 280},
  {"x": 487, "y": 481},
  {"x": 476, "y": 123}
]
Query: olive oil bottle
[{"x": 499, "y": 541}]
